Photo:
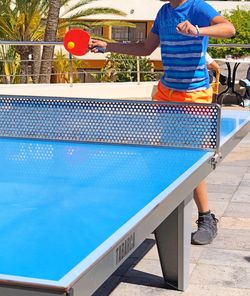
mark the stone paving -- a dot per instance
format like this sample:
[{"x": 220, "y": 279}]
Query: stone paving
[{"x": 222, "y": 268}]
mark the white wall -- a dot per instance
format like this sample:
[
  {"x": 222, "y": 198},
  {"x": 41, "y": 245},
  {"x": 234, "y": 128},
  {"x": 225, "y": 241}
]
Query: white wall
[
  {"x": 119, "y": 90},
  {"x": 147, "y": 9}
]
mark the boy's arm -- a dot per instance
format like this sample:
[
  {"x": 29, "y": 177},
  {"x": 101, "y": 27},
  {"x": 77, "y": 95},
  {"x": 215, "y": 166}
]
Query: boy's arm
[
  {"x": 213, "y": 66},
  {"x": 219, "y": 28},
  {"x": 144, "y": 48}
]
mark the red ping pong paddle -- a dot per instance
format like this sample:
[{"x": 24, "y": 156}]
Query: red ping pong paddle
[{"x": 76, "y": 42}]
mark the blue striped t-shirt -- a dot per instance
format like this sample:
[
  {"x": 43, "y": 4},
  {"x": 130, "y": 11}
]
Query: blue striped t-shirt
[{"x": 183, "y": 57}]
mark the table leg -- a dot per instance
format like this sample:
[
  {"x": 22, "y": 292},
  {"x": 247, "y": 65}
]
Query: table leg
[
  {"x": 230, "y": 90},
  {"x": 234, "y": 76},
  {"x": 173, "y": 238},
  {"x": 238, "y": 95},
  {"x": 229, "y": 81}
]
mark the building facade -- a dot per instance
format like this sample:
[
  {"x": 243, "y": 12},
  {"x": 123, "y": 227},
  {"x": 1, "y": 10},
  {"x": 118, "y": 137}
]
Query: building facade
[{"x": 139, "y": 13}]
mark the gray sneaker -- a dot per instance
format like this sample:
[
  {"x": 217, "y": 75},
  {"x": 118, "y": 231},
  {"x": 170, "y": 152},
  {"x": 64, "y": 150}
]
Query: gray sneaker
[{"x": 207, "y": 230}]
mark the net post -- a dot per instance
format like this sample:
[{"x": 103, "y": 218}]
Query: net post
[{"x": 70, "y": 69}]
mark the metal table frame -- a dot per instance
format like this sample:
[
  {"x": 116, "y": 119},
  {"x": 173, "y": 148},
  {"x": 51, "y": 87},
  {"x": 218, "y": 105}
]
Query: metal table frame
[{"x": 230, "y": 89}]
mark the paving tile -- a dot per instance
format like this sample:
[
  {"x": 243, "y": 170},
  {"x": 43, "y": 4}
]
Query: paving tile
[
  {"x": 242, "y": 194},
  {"x": 238, "y": 209},
  {"x": 125, "y": 289},
  {"x": 232, "y": 239},
  {"x": 224, "y": 175},
  {"x": 146, "y": 274},
  {"x": 220, "y": 196},
  {"x": 246, "y": 180},
  {"x": 196, "y": 252},
  {"x": 218, "y": 207},
  {"x": 239, "y": 157},
  {"x": 227, "y": 276},
  {"x": 235, "y": 223},
  {"x": 246, "y": 139},
  {"x": 221, "y": 188},
  {"x": 152, "y": 253},
  {"x": 214, "y": 290},
  {"x": 222, "y": 257}
]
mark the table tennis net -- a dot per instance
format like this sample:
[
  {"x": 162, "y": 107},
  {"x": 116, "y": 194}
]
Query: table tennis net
[{"x": 148, "y": 123}]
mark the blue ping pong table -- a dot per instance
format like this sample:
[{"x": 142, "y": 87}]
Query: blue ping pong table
[{"x": 72, "y": 213}]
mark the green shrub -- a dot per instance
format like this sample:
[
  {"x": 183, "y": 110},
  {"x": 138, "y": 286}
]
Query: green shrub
[
  {"x": 120, "y": 68},
  {"x": 241, "y": 20}
]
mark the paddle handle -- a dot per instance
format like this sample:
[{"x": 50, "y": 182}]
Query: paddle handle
[{"x": 99, "y": 49}]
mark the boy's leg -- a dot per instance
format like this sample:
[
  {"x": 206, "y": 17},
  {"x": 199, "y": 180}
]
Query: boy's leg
[
  {"x": 201, "y": 197},
  {"x": 207, "y": 223}
]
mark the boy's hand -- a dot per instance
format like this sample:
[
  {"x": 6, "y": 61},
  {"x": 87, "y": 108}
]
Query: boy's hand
[
  {"x": 97, "y": 45},
  {"x": 186, "y": 28}
]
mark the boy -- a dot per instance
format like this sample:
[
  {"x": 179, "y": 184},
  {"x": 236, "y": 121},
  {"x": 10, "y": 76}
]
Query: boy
[{"x": 182, "y": 28}]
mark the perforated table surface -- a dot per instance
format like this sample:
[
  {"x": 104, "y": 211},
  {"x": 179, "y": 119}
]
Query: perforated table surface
[{"x": 71, "y": 213}]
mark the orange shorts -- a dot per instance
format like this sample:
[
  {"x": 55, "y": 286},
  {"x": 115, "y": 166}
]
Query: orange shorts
[{"x": 170, "y": 95}]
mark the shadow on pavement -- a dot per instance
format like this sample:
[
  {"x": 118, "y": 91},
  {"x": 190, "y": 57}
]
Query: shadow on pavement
[{"x": 127, "y": 274}]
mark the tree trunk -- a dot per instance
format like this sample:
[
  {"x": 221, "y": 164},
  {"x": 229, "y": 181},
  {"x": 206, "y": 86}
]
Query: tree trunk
[
  {"x": 50, "y": 36},
  {"x": 36, "y": 63},
  {"x": 24, "y": 57}
]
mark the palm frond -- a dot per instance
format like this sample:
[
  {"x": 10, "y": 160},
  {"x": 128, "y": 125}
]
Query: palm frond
[
  {"x": 113, "y": 23},
  {"x": 96, "y": 10},
  {"x": 68, "y": 8}
]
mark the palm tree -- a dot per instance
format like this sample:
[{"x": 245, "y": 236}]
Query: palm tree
[
  {"x": 50, "y": 35},
  {"x": 10, "y": 65},
  {"x": 70, "y": 17},
  {"x": 22, "y": 20}
]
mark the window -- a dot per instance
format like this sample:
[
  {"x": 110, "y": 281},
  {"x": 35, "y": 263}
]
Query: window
[
  {"x": 98, "y": 31},
  {"x": 129, "y": 34}
]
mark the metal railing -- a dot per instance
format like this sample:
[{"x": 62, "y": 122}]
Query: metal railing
[
  {"x": 31, "y": 43},
  {"x": 72, "y": 74}
]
